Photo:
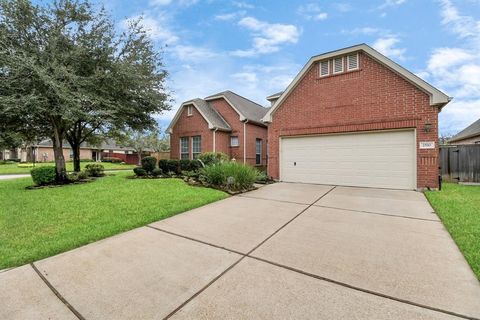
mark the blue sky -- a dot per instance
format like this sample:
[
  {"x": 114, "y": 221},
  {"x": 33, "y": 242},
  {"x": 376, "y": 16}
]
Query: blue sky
[{"x": 255, "y": 48}]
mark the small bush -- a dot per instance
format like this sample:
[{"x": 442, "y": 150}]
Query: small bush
[
  {"x": 149, "y": 164},
  {"x": 43, "y": 175},
  {"x": 112, "y": 159},
  {"x": 170, "y": 166},
  {"x": 94, "y": 170},
  {"x": 14, "y": 160},
  {"x": 82, "y": 175},
  {"x": 210, "y": 158},
  {"x": 230, "y": 176},
  {"x": 189, "y": 165},
  {"x": 262, "y": 177},
  {"x": 157, "y": 172},
  {"x": 140, "y": 172},
  {"x": 5, "y": 162}
]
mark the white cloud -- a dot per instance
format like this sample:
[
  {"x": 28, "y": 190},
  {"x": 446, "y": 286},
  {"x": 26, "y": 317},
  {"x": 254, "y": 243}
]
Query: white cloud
[
  {"x": 456, "y": 70},
  {"x": 387, "y": 46},
  {"x": 160, "y": 2},
  {"x": 267, "y": 37},
  {"x": 156, "y": 27},
  {"x": 182, "y": 3},
  {"x": 391, "y": 3},
  {"x": 229, "y": 16},
  {"x": 365, "y": 31},
  {"x": 343, "y": 6},
  {"x": 243, "y": 4},
  {"x": 249, "y": 77},
  {"x": 192, "y": 53},
  {"x": 312, "y": 11}
]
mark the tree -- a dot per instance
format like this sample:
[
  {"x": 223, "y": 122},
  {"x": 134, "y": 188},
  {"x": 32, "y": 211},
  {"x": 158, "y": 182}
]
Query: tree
[
  {"x": 65, "y": 66},
  {"x": 160, "y": 142}
]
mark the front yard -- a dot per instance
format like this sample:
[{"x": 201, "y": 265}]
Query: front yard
[
  {"x": 19, "y": 168},
  {"x": 35, "y": 224},
  {"x": 459, "y": 208}
]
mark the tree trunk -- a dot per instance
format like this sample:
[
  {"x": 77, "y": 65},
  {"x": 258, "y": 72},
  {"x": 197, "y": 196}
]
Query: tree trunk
[
  {"x": 76, "y": 157},
  {"x": 139, "y": 157},
  {"x": 60, "y": 168}
]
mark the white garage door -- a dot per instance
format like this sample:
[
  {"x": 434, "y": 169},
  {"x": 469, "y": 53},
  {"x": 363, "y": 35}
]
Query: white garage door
[{"x": 376, "y": 159}]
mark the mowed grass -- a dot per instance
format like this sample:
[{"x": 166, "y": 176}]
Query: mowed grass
[
  {"x": 35, "y": 224},
  {"x": 459, "y": 208},
  {"x": 19, "y": 168}
]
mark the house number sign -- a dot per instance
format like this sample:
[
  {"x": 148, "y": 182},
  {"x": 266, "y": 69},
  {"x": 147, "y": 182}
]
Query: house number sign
[{"x": 427, "y": 144}]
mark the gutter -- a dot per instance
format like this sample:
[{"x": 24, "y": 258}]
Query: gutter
[{"x": 245, "y": 141}]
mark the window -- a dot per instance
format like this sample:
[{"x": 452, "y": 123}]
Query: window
[
  {"x": 196, "y": 146},
  {"x": 258, "y": 151},
  {"x": 352, "y": 61},
  {"x": 189, "y": 110},
  {"x": 234, "y": 142},
  {"x": 184, "y": 148},
  {"x": 338, "y": 65},
  {"x": 324, "y": 68}
]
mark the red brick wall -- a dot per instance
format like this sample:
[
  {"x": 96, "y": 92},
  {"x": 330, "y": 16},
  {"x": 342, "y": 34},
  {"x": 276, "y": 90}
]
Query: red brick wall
[
  {"x": 371, "y": 98},
  {"x": 256, "y": 132},
  {"x": 189, "y": 126}
]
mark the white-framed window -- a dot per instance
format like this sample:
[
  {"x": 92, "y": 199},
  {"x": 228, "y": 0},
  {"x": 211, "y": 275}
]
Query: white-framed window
[
  {"x": 258, "y": 151},
  {"x": 196, "y": 146},
  {"x": 189, "y": 110},
  {"x": 338, "y": 65},
  {"x": 352, "y": 62},
  {"x": 184, "y": 154},
  {"x": 324, "y": 68},
  {"x": 234, "y": 141}
]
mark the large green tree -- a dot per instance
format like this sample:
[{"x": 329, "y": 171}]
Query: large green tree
[{"x": 65, "y": 67}]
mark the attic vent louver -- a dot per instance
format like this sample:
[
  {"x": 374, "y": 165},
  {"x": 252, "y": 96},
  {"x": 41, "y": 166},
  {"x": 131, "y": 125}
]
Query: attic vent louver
[
  {"x": 324, "y": 68},
  {"x": 352, "y": 62},
  {"x": 338, "y": 65}
]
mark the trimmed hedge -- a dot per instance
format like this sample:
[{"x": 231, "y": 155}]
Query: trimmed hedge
[
  {"x": 139, "y": 172},
  {"x": 94, "y": 170},
  {"x": 43, "y": 175},
  {"x": 112, "y": 159},
  {"x": 149, "y": 164},
  {"x": 169, "y": 166}
]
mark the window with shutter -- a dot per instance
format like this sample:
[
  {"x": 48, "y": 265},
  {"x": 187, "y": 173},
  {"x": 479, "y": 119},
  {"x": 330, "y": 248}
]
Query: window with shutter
[
  {"x": 352, "y": 62},
  {"x": 338, "y": 65},
  {"x": 324, "y": 68}
]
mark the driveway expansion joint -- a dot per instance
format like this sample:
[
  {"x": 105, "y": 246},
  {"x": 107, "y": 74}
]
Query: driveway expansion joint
[
  {"x": 57, "y": 294},
  {"x": 377, "y": 213}
]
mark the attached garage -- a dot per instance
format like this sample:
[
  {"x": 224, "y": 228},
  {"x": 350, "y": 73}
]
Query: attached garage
[{"x": 383, "y": 159}]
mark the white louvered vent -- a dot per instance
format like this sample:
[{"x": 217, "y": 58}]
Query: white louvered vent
[
  {"x": 352, "y": 62},
  {"x": 338, "y": 65},
  {"x": 324, "y": 68}
]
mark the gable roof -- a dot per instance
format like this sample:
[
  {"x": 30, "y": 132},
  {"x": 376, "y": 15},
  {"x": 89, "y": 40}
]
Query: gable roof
[
  {"x": 246, "y": 109},
  {"x": 213, "y": 118},
  {"x": 437, "y": 97},
  {"x": 274, "y": 96},
  {"x": 470, "y": 131}
]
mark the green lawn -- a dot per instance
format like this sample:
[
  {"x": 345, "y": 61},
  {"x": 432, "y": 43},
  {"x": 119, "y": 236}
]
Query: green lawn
[
  {"x": 35, "y": 224},
  {"x": 16, "y": 168},
  {"x": 459, "y": 208}
]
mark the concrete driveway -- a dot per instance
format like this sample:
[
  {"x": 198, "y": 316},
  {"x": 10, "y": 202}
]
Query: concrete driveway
[{"x": 285, "y": 251}]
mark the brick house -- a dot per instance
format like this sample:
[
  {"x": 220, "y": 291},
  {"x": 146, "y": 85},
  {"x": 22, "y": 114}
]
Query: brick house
[
  {"x": 469, "y": 135},
  {"x": 224, "y": 122},
  {"x": 353, "y": 117}
]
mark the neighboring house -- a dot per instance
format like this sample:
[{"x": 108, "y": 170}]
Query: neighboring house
[
  {"x": 223, "y": 122},
  {"x": 43, "y": 152},
  {"x": 353, "y": 117},
  {"x": 469, "y": 135}
]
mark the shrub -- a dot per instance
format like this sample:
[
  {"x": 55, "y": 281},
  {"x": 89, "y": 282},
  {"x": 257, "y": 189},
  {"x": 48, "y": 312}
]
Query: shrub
[
  {"x": 14, "y": 159},
  {"x": 189, "y": 165},
  {"x": 82, "y": 175},
  {"x": 210, "y": 158},
  {"x": 112, "y": 159},
  {"x": 43, "y": 175},
  {"x": 149, "y": 164},
  {"x": 94, "y": 170},
  {"x": 168, "y": 166},
  {"x": 139, "y": 172},
  {"x": 262, "y": 177},
  {"x": 157, "y": 172},
  {"x": 230, "y": 176}
]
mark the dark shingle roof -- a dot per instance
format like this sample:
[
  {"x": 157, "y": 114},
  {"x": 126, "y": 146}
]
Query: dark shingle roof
[
  {"x": 247, "y": 108},
  {"x": 470, "y": 131},
  {"x": 109, "y": 144},
  {"x": 210, "y": 114}
]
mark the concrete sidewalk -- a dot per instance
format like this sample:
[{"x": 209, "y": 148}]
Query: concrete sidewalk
[{"x": 285, "y": 251}]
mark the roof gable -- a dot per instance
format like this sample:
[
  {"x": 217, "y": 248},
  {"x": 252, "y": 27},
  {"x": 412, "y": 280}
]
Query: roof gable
[
  {"x": 470, "y": 131},
  {"x": 437, "y": 98},
  {"x": 213, "y": 118}
]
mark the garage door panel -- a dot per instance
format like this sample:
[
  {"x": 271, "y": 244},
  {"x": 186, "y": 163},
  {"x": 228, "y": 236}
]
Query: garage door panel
[{"x": 380, "y": 159}]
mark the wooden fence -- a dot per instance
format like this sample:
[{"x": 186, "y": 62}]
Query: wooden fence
[{"x": 460, "y": 163}]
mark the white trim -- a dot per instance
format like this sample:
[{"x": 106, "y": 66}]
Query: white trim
[
  {"x": 320, "y": 68},
  {"x": 234, "y": 145},
  {"x": 179, "y": 112},
  {"x": 189, "y": 111},
  {"x": 342, "y": 64},
  {"x": 348, "y": 62},
  {"x": 214, "y": 142},
  {"x": 242, "y": 117},
  {"x": 245, "y": 141},
  {"x": 437, "y": 98}
]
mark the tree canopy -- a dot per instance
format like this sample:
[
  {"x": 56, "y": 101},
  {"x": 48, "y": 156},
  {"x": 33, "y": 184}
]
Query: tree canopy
[{"x": 67, "y": 73}]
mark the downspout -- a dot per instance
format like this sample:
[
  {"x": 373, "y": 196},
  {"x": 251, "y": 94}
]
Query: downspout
[
  {"x": 214, "y": 146},
  {"x": 245, "y": 141}
]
